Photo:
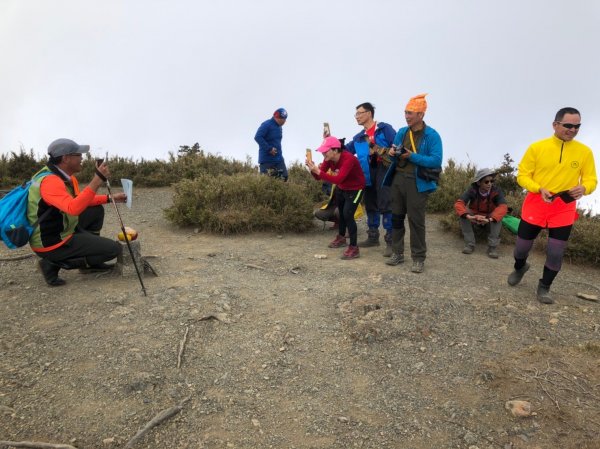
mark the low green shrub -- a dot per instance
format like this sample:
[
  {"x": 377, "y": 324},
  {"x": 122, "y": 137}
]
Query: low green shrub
[
  {"x": 190, "y": 163},
  {"x": 241, "y": 203},
  {"x": 15, "y": 168},
  {"x": 454, "y": 181},
  {"x": 299, "y": 174},
  {"x": 584, "y": 244}
]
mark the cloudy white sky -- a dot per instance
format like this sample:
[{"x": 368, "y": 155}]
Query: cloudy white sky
[{"x": 140, "y": 78}]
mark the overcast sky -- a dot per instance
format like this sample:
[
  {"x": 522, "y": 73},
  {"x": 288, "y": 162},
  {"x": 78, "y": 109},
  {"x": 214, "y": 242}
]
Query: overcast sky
[{"x": 140, "y": 78}]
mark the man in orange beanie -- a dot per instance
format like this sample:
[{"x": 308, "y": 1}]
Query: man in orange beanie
[{"x": 413, "y": 175}]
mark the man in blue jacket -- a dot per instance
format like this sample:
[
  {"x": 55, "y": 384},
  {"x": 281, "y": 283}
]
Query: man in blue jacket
[
  {"x": 413, "y": 174},
  {"x": 370, "y": 146},
  {"x": 268, "y": 137}
]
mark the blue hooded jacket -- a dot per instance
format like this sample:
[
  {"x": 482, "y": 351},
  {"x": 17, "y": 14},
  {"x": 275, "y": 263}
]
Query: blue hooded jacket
[
  {"x": 384, "y": 136},
  {"x": 269, "y": 136},
  {"x": 429, "y": 155}
]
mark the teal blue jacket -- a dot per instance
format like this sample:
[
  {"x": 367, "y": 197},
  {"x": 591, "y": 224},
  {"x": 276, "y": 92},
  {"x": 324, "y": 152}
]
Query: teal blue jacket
[{"x": 429, "y": 155}]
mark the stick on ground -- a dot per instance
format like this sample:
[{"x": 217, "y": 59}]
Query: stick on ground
[
  {"x": 12, "y": 259},
  {"x": 182, "y": 346},
  {"x": 35, "y": 445},
  {"x": 162, "y": 416}
]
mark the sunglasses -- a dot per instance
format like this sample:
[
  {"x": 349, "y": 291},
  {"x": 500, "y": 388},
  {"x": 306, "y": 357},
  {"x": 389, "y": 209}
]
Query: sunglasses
[
  {"x": 488, "y": 181},
  {"x": 570, "y": 125}
]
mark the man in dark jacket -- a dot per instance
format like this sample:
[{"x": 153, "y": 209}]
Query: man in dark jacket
[
  {"x": 482, "y": 205},
  {"x": 268, "y": 136}
]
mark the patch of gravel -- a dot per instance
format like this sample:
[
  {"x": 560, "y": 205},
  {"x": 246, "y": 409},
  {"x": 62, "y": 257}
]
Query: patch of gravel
[{"x": 285, "y": 350}]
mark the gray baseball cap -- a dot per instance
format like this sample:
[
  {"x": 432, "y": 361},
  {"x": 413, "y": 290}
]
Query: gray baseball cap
[{"x": 62, "y": 147}]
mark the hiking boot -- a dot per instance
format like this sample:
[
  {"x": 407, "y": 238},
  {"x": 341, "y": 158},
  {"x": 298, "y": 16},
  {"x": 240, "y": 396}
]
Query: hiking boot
[
  {"x": 515, "y": 277},
  {"x": 387, "y": 252},
  {"x": 372, "y": 239},
  {"x": 351, "y": 252},
  {"x": 338, "y": 242},
  {"x": 369, "y": 243},
  {"x": 387, "y": 238},
  {"x": 50, "y": 272},
  {"x": 395, "y": 259},
  {"x": 468, "y": 249},
  {"x": 492, "y": 252},
  {"x": 543, "y": 294},
  {"x": 418, "y": 266}
]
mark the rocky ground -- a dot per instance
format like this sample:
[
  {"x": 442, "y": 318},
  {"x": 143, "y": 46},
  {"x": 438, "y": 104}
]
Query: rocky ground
[{"x": 253, "y": 342}]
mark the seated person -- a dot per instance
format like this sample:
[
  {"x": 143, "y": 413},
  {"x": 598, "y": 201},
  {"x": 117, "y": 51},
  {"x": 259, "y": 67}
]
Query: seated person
[{"x": 482, "y": 205}]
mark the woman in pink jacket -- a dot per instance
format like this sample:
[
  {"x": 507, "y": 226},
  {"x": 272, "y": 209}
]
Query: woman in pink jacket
[{"x": 341, "y": 168}]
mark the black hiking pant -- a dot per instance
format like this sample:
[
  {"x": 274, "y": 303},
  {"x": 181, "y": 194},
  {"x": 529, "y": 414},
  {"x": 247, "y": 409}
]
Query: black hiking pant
[{"x": 86, "y": 247}]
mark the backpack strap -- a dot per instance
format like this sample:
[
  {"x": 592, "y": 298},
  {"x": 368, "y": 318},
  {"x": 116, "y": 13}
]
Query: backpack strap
[
  {"x": 47, "y": 212},
  {"x": 37, "y": 222}
]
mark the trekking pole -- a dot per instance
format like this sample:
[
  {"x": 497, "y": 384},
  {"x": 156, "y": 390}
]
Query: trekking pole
[
  {"x": 112, "y": 200},
  {"x": 137, "y": 270}
]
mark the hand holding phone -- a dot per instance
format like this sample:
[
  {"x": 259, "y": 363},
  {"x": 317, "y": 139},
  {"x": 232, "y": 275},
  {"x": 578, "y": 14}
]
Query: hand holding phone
[{"x": 564, "y": 195}]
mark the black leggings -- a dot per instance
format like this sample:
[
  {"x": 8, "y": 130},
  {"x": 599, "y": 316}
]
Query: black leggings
[
  {"x": 529, "y": 231},
  {"x": 557, "y": 242},
  {"x": 348, "y": 201}
]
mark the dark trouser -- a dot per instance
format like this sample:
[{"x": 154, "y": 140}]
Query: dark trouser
[
  {"x": 86, "y": 247},
  {"x": 406, "y": 200},
  {"x": 377, "y": 200},
  {"x": 557, "y": 242},
  {"x": 274, "y": 169},
  {"x": 348, "y": 201},
  {"x": 469, "y": 235}
]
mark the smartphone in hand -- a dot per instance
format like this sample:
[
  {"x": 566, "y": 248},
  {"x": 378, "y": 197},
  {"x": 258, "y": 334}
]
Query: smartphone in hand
[{"x": 564, "y": 195}]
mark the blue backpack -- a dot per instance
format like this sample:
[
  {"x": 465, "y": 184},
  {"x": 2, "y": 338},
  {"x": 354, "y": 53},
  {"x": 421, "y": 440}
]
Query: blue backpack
[{"x": 15, "y": 229}]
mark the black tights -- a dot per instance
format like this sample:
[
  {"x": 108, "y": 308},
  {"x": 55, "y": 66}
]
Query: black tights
[
  {"x": 557, "y": 242},
  {"x": 348, "y": 201}
]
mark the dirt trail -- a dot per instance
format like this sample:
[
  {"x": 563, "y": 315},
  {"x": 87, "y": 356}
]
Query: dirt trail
[{"x": 284, "y": 350}]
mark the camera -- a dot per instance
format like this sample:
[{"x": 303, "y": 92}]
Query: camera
[{"x": 400, "y": 150}]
